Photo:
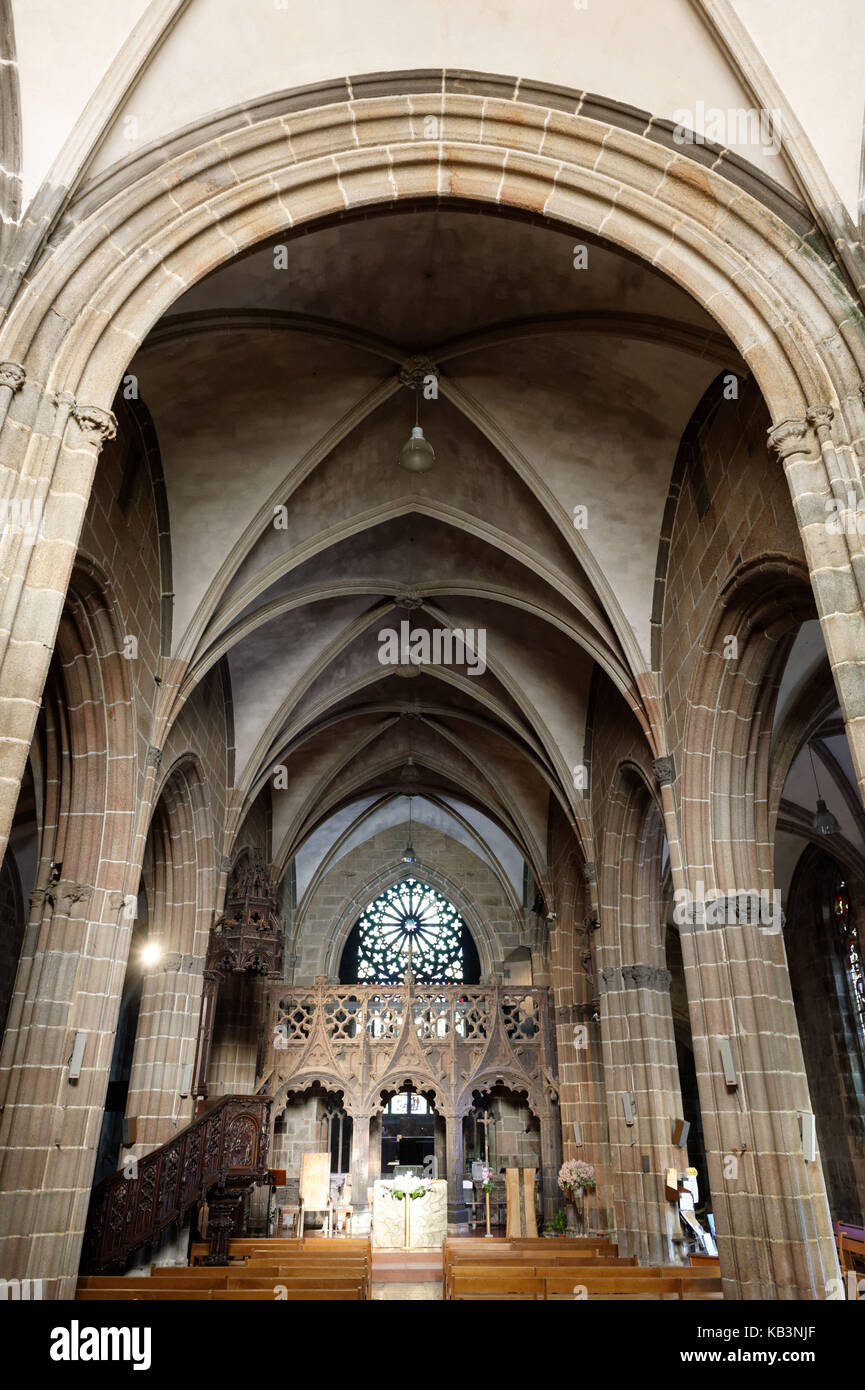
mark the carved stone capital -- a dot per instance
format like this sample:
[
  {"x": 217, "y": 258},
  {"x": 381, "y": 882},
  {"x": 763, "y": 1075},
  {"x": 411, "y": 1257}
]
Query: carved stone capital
[
  {"x": 415, "y": 369},
  {"x": 65, "y": 893},
  {"x": 788, "y": 437},
  {"x": 820, "y": 418},
  {"x": 95, "y": 424},
  {"x": 154, "y": 756},
  {"x": 12, "y": 375},
  {"x": 664, "y": 770},
  {"x": 634, "y": 977},
  {"x": 590, "y": 872},
  {"x": 646, "y": 977}
]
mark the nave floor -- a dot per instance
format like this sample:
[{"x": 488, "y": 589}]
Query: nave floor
[{"x": 410, "y": 1275}]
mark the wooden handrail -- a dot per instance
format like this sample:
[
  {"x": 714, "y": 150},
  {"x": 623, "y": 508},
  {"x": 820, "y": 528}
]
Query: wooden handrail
[{"x": 218, "y": 1157}]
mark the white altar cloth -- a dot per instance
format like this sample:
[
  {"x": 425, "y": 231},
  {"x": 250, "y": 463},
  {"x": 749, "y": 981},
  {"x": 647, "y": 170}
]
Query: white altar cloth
[{"x": 418, "y": 1224}]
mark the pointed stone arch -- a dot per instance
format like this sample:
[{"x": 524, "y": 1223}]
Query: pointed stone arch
[{"x": 115, "y": 269}]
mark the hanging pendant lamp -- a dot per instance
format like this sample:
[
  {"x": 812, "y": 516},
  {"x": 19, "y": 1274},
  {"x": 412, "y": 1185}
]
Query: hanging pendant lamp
[
  {"x": 824, "y": 823},
  {"x": 417, "y": 454}
]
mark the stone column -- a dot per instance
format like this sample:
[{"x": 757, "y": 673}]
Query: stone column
[
  {"x": 640, "y": 1064},
  {"x": 551, "y": 1162},
  {"x": 580, "y": 1059},
  {"x": 828, "y": 509},
  {"x": 51, "y": 1122},
  {"x": 458, "y": 1219},
  {"x": 49, "y": 484},
  {"x": 209, "y": 997},
  {"x": 440, "y": 1145},
  {"x": 772, "y": 1218},
  {"x": 374, "y": 1148},
  {"x": 360, "y": 1179},
  {"x": 164, "y": 1040}
]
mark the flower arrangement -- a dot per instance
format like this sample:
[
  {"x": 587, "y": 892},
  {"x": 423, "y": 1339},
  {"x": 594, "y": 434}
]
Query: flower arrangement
[
  {"x": 576, "y": 1176},
  {"x": 486, "y": 1182},
  {"x": 399, "y": 1193}
]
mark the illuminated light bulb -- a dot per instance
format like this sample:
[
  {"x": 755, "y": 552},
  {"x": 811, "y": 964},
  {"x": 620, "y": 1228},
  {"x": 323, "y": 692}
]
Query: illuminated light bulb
[{"x": 417, "y": 454}]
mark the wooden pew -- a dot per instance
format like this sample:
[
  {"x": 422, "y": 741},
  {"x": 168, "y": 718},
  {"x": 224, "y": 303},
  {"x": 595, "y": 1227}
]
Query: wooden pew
[
  {"x": 541, "y": 1251},
  {"x": 497, "y": 1286},
  {"x": 120, "y": 1294},
  {"x": 500, "y": 1286},
  {"x": 285, "y": 1269},
  {"x": 562, "y": 1279},
  {"x": 292, "y": 1295},
  {"x": 244, "y": 1246}
]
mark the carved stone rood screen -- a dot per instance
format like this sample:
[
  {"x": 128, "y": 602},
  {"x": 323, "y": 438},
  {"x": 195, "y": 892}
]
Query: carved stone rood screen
[{"x": 446, "y": 1041}]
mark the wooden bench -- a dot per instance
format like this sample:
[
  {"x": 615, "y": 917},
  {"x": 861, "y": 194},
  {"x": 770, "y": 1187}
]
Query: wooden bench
[
  {"x": 244, "y": 1246},
  {"x": 497, "y": 1286},
  {"x": 274, "y": 1270},
  {"x": 641, "y": 1285},
  {"x": 118, "y": 1293},
  {"x": 292, "y": 1296},
  {"x": 536, "y": 1277},
  {"x": 191, "y": 1280},
  {"x": 457, "y": 1256},
  {"x": 168, "y": 1295}
]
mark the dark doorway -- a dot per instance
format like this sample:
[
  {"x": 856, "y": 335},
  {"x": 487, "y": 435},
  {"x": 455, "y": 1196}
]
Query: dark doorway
[{"x": 407, "y": 1132}]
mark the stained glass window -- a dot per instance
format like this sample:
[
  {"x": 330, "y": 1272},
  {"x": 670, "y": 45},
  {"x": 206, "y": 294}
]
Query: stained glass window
[
  {"x": 410, "y": 917},
  {"x": 852, "y": 955},
  {"x": 407, "y": 1103}
]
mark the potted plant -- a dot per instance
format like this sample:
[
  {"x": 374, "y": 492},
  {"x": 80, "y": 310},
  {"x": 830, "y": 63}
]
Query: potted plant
[{"x": 559, "y": 1224}]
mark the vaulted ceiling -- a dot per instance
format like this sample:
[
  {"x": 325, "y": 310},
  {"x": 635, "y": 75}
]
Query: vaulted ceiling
[{"x": 297, "y": 539}]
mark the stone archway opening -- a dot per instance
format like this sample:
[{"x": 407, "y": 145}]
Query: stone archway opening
[
  {"x": 409, "y": 1132},
  {"x": 500, "y": 1131},
  {"x": 311, "y": 1118},
  {"x": 823, "y": 937}
]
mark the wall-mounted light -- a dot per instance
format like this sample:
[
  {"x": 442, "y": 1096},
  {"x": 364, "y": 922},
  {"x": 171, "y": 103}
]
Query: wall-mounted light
[
  {"x": 808, "y": 1132},
  {"x": 76, "y": 1060},
  {"x": 151, "y": 954},
  {"x": 729, "y": 1066}
]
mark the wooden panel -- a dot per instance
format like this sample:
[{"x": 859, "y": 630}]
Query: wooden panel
[
  {"x": 315, "y": 1181},
  {"x": 520, "y": 1194}
]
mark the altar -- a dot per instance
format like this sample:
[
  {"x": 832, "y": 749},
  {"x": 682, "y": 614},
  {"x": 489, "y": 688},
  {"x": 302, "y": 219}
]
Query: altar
[{"x": 409, "y": 1223}]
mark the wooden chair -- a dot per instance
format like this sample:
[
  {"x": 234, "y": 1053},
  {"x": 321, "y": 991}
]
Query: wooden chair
[{"x": 346, "y": 1212}]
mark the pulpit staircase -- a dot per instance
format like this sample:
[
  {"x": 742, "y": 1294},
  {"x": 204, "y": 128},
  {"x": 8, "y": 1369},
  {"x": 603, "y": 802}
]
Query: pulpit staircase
[{"x": 217, "y": 1158}]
